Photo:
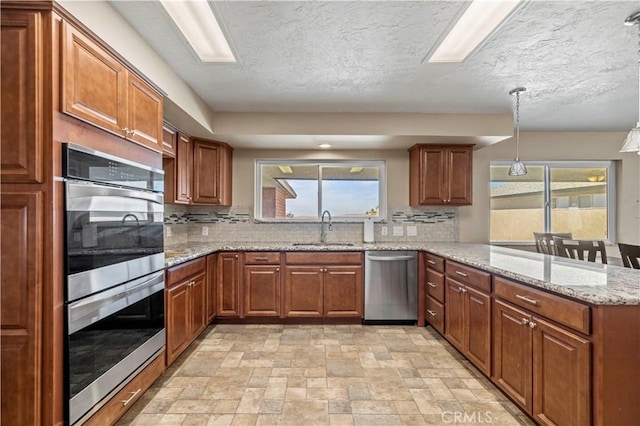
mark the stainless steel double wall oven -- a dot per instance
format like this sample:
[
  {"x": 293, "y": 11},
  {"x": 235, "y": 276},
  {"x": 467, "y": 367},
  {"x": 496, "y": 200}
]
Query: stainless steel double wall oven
[{"x": 115, "y": 274}]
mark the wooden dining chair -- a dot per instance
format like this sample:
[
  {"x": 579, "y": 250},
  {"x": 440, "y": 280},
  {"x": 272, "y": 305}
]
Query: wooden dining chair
[
  {"x": 577, "y": 249},
  {"x": 630, "y": 255},
  {"x": 544, "y": 241}
]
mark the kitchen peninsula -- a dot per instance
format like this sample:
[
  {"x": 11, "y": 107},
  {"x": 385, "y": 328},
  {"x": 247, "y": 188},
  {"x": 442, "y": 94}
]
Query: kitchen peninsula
[{"x": 561, "y": 336}]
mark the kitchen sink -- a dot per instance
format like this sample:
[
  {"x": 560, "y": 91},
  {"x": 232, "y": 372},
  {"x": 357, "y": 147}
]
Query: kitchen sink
[{"x": 322, "y": 244}]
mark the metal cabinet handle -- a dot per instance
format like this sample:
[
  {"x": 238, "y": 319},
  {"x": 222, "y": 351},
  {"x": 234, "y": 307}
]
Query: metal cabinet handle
[
  {"x": 525, "y": 321},
  {"x": 431, "y": 262},
  {"x": 464, "y": 290},
  {"x": 532, "y": 324},
  {"x": 433, "y": 314},
  {"x": 462, "y": 274},
  {"x": 261, "y": 259},
  {"x": 526, "y": 299},
  {"x": 125, "y": 130},
  {"x": 278, "y": 269},
  {"x": 431, "y": 284},
  {"x": 133, "y": 395},
  {"x": 236, "y": 256}
]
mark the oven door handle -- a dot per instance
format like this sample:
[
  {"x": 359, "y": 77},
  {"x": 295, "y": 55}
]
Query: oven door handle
[
  {"x": 92, "y": 309},
  {"x": 78, "y": 190}
]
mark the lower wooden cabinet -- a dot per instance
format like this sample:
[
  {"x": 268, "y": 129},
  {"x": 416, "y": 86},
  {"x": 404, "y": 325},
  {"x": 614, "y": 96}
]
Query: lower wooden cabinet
[
  {"x": 262, "y": 290},
  {"x": 185, "y": 306},
  {"x": 544, "y": 368},
  {"x": 435, "y": 314},
  {"x": 303, "y": 291},
  {"x": 228, "y": 289},
  {"x": 468, "y": 322},
  {"x": 211, "y": 287},
  {"x": 343, "y": 291}
]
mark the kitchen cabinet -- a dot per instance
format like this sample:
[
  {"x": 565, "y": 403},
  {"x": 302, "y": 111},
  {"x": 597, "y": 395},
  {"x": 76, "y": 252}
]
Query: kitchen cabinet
[
  {"x": 185, "y": 306},
  {"x": 435, "y": 292},
  {"x": 544, "y": 368},
  {"x": 228, "y": 289},
  {"x": 212, "y": 172},
  {"x": 468, "y": 313},
  {"x": 99, "y": 89},
  {"x": 169, "y": 140},
  {"x": 262, "y": 284},
  {"x": 323, "y": 285},
  {"x": 440, "y": 175},
  {"x": 182, "y": 173},
  {"x": 211, "y": 287}
]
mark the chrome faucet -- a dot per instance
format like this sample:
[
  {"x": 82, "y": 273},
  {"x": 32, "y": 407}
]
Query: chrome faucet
[{"x": 323, "y": 233}]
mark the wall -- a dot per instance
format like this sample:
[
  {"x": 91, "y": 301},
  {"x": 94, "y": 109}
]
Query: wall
[{"x": 475, "y": 219}]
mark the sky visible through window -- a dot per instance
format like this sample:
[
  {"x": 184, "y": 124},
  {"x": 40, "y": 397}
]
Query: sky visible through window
[{"x": 340, "y": 197}]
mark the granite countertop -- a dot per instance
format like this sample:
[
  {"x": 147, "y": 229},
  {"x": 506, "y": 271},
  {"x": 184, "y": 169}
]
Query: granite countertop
[{"x": 587, "y": 281}]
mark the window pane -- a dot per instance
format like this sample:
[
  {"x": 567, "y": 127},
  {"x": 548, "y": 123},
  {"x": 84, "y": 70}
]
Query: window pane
[
  {"x": 351, "y": 191},
  {"x": 517, "y": 204},
  {"x": 579, "y": 201},
  {"x": 289, "y": 191}
]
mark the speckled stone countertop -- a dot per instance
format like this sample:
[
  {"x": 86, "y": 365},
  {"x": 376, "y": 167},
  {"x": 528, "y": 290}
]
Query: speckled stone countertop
[{"x": 587, "y": 281}]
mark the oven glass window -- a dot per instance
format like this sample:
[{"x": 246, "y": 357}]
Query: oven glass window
[{"x": 95, "y": 349}]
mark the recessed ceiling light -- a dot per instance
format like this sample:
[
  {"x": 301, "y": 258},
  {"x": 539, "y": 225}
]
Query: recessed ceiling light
[
  {"x": 286, "y": 169},
  {"x": 475, "y": 24},
  {"x": 324, "y": 145},
  {"x": 199, "y": 26}
]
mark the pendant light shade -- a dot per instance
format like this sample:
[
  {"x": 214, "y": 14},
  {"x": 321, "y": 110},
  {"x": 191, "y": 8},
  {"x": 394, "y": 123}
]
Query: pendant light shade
[
  {"x": 632, "y": 142},
  {"x": 517, "y": 167}
]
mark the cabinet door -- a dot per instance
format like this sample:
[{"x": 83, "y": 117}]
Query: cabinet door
[
  {"x": 21, "y": 104},
  {"x": 144, "y": 111},
  {"x": 432, "y": 176},
  {"x": 206, "y": 173},
  {"x": 512, "y": 353},
  {"x": 21, "y": 225},
  {"x": 454, "y": 313},
  {"x": 94, "y": 84},
  {"x": 184, "y": 163},
  {"x": 343, "y": 291},
  {"x": 198, "y": 299},
  {"x": 435, "y": 314},
  {"x": 458, "y": 175},
  {"x": 478, "y": 329},
  {"x": 262, "y": 291},
  {"x": 211, "y": 287},
  {"x": 227, "y": 285},
  {"x": 561, "y": 376},
  {"x": 303, "y": 291},
  {"x": 169, "y": 140},
  {"x": 178, "y": 320}
]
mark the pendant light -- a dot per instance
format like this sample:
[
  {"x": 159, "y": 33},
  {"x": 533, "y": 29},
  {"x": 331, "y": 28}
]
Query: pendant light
[
  {"x": 632, "y": 141},
  {"x": 517, "y": 167}
]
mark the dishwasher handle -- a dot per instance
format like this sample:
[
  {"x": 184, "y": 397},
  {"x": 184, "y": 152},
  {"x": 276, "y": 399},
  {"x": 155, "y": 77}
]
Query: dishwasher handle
[{"x": 390, "y": 258}]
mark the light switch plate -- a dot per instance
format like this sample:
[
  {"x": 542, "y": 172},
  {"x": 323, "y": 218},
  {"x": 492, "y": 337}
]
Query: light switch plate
[
  {"x": 398, "y": 231},
  {"x": 384, "y": 231},
  {"x": 205, "y": 231},
  {"x": 412, "y": 231},
  {"x": 168, "y": 231}
]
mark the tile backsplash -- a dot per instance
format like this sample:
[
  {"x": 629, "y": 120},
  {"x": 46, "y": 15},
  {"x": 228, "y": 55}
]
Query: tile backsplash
[{"x": 236, "y": 224}]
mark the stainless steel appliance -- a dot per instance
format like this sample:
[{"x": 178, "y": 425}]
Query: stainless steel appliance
[
  {"x": 390, "y": 287},
  {"x": 115, "y": 274}
]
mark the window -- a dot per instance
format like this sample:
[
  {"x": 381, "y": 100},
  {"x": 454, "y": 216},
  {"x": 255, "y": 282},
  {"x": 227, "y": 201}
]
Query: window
[
  {"x": 302, "y": 190},
  {"x": 576, "y": 197}
]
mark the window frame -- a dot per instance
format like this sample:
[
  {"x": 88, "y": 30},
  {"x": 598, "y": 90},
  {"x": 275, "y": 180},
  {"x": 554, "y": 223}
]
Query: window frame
[
  {"x": 610, "y": 165},
  {"x": 382, "y": 189}
]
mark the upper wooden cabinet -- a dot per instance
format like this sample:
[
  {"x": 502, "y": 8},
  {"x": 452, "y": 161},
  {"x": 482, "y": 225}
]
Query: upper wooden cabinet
[
  {"x": 212, "y": 172},
  {"x": 183, "y": 171},
  {"x": 169, "y": 140},
  {"x": 440, "y": 175},
  {"x": 99, "y": 89}
]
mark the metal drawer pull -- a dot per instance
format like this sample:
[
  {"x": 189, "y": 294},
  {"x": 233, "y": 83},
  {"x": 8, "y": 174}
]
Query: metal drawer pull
[
  {"x": 431, "y": 284},
  {"x": 462, "y": 274},
  {"x": 262, "y": 259},
  {"x": 431, "y": 262},
  {"x": 133, "y": 395},
  {"x": 433, "y": 314},
  {"x": 462, "y": 289},
  {"x": 532, "y": 324},
  {"x": 525, "y": 321},
  {"x": 526, "y": 299}
]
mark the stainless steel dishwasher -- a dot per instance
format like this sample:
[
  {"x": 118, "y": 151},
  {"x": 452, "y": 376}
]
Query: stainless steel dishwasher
[{"x": 390, "y": 287}]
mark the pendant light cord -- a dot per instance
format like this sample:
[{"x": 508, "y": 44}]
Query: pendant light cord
[{"x": 517, "y": 125}]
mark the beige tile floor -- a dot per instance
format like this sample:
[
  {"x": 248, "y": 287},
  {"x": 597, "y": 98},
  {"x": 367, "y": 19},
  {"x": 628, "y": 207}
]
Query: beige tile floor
[{"x": 322, "y": 375}]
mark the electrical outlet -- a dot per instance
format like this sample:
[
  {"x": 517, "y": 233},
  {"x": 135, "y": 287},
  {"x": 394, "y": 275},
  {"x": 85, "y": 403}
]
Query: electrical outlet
[
  {"x": 384, "y": 231},
  {"x": 398, "y": 231},
  {"x": 412, "y": 231},
  {"x": 168, "y": 231},
  {"x": 205, "y": 231}
]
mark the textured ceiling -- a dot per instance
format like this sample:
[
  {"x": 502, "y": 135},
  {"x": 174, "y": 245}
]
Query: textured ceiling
[{"x": 577, "y": 60}]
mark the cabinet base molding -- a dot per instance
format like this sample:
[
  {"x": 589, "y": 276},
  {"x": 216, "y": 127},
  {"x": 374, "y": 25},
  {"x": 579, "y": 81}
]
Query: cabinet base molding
[{"x": 272, "y": 320}]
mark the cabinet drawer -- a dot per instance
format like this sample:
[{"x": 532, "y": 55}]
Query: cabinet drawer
[
  {"x": 564, "y": 311},
  {"x": 127, "y": 396},
  {"x": 469, "y": 275},
  {"x": 323, "y": 258},
  {"x": 435, "y": 314},
  {"x": 185, "y": 270},
  {"x": 435, "y": 262},
  {"x": 435, "y": 285},
  {"x": 262, "y": 258}
]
